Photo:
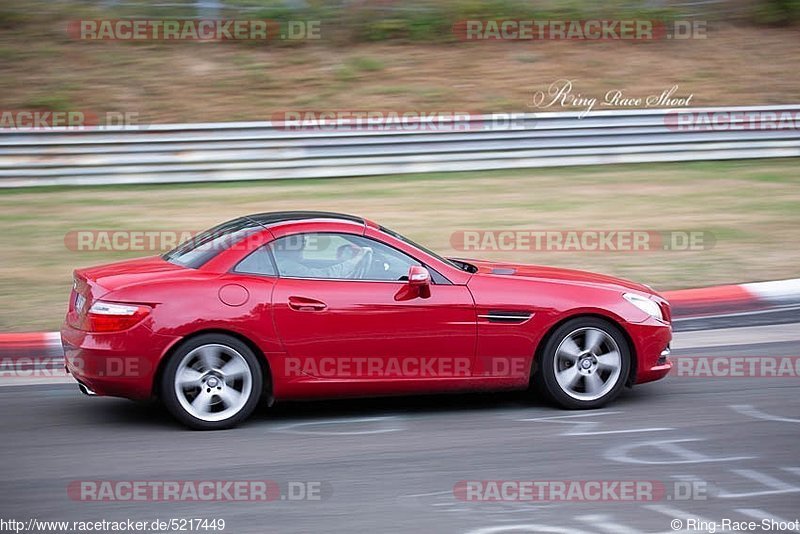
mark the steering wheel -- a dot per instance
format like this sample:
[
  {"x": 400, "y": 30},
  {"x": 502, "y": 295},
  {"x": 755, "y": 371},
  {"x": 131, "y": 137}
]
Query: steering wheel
[{"x": 363, "y": 266}]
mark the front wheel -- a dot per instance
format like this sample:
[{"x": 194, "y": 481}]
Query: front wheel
[
  {"x": 211, "y": 382},
  {"x": 584, "y": 364}
]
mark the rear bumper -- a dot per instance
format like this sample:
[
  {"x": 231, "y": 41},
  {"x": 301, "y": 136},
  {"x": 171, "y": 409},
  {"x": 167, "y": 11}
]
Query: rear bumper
[
  {"x": 118, "y": 364},
  {"x": 651, "y": 341}
]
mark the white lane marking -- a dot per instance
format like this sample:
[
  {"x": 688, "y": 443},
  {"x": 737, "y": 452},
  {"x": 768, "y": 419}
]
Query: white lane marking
[
  {"x": 586, "y": 428},
  {"x": 776, "y": 487},
  {"x": 429, "y": 494},
  {"x": 747, "y": 335},
  {"x": 606, "y": 524},
  {"x": 577, "y": 416},
  {"x": 527, "y": 527},
  {"x": 667, "y": 446},
  {"x": 771, "y": 309},
  {"x": 633, "y": 430},
  {"x": 302, "y": 427},
  {"x": 452, "y": 503},
  {"x": 761, "y": 515},
  {"x": 33, "y": 381},
  {"x": 749, "y": 410}
]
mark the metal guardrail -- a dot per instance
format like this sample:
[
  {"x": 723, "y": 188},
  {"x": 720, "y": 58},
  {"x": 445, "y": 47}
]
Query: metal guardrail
[{"x": 265, "y": 151}]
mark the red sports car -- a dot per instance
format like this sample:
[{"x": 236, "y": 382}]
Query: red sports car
[{"x": 299, "y": 305}]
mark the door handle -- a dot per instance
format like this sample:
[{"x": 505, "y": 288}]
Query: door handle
[{"x": 306, "y": 304}]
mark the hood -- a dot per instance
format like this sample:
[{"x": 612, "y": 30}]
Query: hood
[{"x": 556, "y": 274}]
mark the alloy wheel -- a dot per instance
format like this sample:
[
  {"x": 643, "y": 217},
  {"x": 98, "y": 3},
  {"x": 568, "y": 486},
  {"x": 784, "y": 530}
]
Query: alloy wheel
[
  {"x": 213, "y": 382},
  {"x": 587, "y": 363}
]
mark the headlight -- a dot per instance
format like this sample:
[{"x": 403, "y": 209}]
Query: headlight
[{"x": 648, "y": 306}]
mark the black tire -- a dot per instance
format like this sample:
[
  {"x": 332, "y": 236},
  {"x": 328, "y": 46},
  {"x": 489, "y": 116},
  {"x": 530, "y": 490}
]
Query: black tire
[
  {"x": 544, "y": 376},
  {"x": 169, "y": 396}
]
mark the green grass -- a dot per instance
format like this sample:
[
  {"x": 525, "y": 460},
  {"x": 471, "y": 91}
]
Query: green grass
[
  {"x": 367, "y": 64},
  {"x": 51, "y": 102}
]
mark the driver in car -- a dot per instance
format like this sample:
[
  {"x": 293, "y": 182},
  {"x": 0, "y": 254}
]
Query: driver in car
[{"x": 290, "y": 262}]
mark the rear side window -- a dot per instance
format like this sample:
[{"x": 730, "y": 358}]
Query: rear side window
[
  {"x": 258, "y": 262},
  {"x": 195, "y": 252}
]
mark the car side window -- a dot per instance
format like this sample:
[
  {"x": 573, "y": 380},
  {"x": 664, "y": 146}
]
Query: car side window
[
  {"x": 257, "y": 262},
  {"x": 339, "y": 257}
]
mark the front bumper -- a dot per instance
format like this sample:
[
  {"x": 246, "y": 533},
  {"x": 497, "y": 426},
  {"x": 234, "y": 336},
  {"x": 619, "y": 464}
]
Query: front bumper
[
  {"x": 651, "y": 341},
  {"x": 118, "y": 364}
]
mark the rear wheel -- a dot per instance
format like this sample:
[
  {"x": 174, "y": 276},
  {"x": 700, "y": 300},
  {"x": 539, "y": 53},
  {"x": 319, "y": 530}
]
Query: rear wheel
[
  {"x": 584, "y": 364},
  {"x": 212, "y": 382}
]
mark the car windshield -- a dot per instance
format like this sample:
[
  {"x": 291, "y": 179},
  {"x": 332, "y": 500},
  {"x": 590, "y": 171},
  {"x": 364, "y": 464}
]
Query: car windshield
[
  {"x": 198, "y": 250},
  {"x": 456, "y": 264}
]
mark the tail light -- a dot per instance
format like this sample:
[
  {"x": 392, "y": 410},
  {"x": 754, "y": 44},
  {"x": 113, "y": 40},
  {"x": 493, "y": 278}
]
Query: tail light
[{"x": 112, "y": 317}]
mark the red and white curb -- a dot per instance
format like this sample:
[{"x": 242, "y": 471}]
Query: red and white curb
[
  {"x": 32, "y": 358},
  {"x": 30, "y": 344},
  {"x": 732, "y": 299}
]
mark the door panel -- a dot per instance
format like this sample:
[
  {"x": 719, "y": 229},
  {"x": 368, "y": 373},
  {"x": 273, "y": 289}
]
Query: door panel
[{"x": 364, "y": 331}]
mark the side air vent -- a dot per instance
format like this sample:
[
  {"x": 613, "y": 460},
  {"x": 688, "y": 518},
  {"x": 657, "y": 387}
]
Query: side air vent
[{"x": 506, "y": 316}]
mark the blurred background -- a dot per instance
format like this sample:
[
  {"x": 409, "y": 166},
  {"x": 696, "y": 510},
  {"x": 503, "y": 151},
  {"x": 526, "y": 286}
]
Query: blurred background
[{"x": 388, "y": 56}]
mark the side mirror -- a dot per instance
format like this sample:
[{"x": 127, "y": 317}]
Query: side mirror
[{"x": 418, "y": 276}]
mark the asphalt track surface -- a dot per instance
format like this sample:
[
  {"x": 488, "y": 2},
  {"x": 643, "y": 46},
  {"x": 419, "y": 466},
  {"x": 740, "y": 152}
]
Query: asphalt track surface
[{"x": 391, "y": 465}]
